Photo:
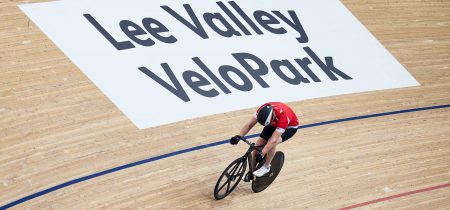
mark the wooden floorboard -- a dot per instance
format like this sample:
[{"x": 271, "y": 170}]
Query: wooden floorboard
[{"x": 57, "y": 126}]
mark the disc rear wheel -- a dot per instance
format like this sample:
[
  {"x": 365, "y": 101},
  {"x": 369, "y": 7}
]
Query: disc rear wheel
[{"x": 261, "y": 183}]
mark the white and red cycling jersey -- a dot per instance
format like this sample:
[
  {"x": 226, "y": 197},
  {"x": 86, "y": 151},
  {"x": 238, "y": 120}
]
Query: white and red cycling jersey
[{"x": 285, "y": 118}]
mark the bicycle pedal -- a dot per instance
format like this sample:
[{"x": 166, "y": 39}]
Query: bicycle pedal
[{"x": 246, "y": 178}]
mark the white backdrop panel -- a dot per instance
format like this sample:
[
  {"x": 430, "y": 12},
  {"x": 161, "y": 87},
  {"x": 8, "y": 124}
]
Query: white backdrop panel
[{"x": 332, "y": 31}]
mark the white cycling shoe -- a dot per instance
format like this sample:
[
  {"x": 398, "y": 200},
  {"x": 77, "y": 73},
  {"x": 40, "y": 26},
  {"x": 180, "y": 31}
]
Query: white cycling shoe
[{"x": 261, "y": 171}]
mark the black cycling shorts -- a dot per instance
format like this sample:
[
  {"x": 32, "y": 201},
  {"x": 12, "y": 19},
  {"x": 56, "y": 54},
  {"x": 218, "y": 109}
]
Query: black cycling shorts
[{"x": 268, "y": 131}]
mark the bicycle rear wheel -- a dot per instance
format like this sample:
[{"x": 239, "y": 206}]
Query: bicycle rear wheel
[
  {"x": 230, "y": 178},
  {"x": 261, "y": 183}
]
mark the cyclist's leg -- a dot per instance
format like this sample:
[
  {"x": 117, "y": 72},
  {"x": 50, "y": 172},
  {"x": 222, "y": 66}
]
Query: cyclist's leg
[
  {"x": 271, "y": 152},
  {"x": 284, "y": 137},
  {"x": 288, "y": 134},
  {"x": 266, "y": 133},
  {"x": 260, "y": 142}
]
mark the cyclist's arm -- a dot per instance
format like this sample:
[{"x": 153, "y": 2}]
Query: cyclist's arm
[{"x": 248, "y": 126}]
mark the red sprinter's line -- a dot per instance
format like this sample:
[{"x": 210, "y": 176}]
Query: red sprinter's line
[{"x": 395, "y": 196}]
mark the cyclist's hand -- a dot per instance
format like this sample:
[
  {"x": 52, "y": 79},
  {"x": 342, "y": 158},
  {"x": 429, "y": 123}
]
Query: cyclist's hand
[
  {"x": 258, "y": 157},
  {"x": 234, "y": 140}
]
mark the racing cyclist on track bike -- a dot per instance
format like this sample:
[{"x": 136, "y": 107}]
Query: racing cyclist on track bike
[{"x": 280, "y": 124}]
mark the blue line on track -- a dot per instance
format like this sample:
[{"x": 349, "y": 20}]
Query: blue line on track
[{"x": 75, "y": 181}]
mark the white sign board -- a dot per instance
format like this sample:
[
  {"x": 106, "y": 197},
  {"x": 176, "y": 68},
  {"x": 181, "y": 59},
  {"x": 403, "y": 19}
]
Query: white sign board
[{"x": 164, "y": 61}]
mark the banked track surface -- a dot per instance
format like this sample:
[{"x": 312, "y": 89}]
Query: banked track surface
[
  {"x": 203, "y": 147},
  {"x": 57, "y": 126}
]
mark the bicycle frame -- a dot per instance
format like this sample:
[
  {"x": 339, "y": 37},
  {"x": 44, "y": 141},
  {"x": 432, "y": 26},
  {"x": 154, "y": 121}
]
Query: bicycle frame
[
  {"x": 238, "y": 166},
  {"x": 249, "y": 156}
]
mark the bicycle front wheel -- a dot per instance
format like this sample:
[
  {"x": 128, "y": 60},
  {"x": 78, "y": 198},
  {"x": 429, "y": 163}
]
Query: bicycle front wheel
[{"x": 230, "y": 178}]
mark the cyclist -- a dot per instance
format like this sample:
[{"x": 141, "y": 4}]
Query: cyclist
[{"x": 280, "y": 124}]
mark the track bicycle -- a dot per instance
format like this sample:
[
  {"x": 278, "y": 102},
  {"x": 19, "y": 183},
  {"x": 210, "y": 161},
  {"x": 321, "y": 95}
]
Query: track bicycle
[{"x": 233, "y": 174}]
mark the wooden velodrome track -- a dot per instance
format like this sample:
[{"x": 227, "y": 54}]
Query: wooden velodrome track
[{"x": 57, "y": 126}]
